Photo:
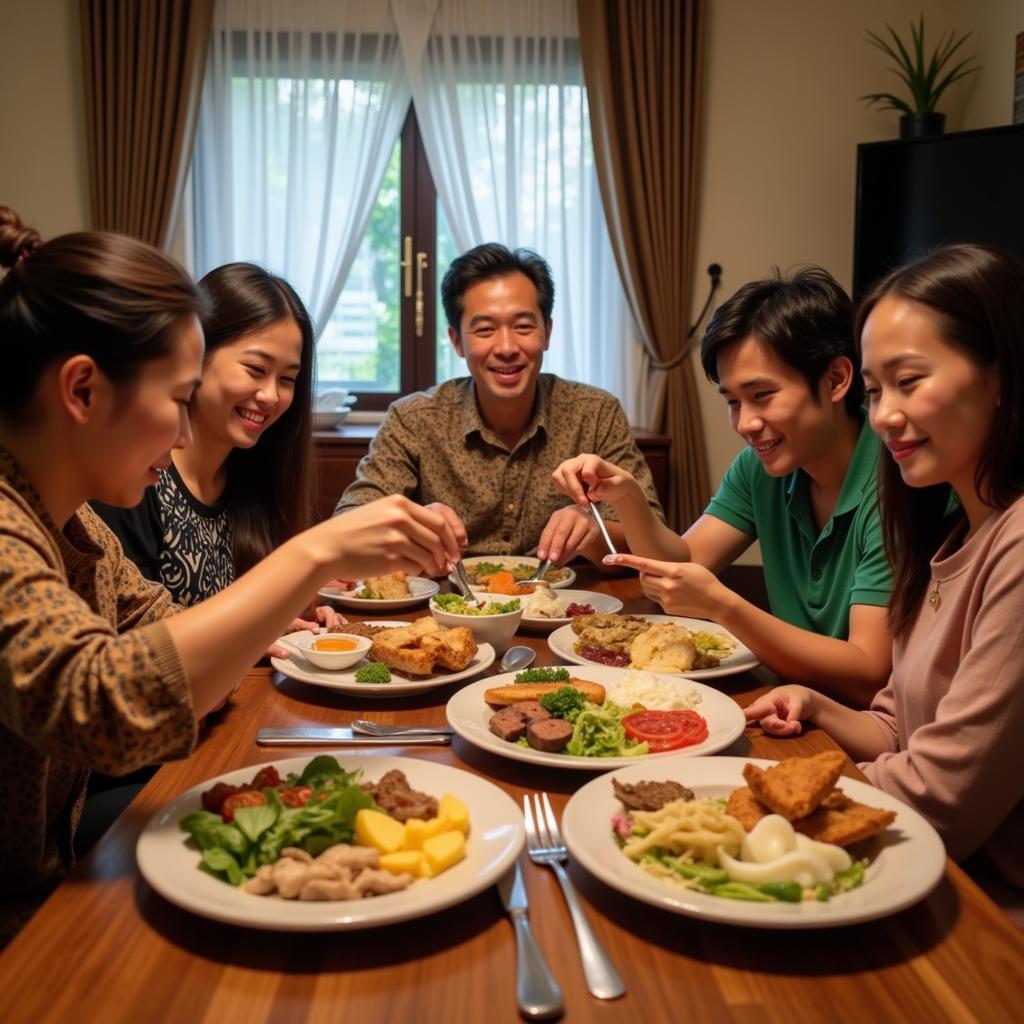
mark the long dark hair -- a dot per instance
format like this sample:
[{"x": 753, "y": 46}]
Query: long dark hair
[
  {"x": 269, "y": 486},
  {"x": 107, "y": 296},
  {"x": 976, "y": 295}
]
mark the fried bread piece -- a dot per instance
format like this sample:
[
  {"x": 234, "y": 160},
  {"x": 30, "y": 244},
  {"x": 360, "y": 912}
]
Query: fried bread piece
[
  {"x": 843, "y": 821},
  {"x": 795, "y": 786},
  {"x": 745, "y": 807},
  {"x": 453, "y": 648},
  {"x": 401, "y": 649}
]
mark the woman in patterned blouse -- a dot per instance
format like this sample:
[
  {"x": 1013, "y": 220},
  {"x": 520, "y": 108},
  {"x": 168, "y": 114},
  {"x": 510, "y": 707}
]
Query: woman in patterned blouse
[
  {"x": 98, "y": 669},
  {"x": 243, "y": 485}
]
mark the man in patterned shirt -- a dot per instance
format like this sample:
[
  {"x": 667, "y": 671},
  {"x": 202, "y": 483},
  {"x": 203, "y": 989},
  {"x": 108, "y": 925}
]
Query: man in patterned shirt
[{"x": 481, "y": 449}]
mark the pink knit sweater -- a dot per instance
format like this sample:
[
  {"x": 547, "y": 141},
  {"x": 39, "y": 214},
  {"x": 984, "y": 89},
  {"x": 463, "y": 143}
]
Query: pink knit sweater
[{"x": 953, "y": 710}]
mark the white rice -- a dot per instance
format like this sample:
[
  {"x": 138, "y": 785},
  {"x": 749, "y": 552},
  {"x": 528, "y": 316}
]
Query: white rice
[{"x": 654, "y": 692}]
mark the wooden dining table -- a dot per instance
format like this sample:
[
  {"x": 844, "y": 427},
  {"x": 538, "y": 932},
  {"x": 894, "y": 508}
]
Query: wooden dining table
[{"x": 106, "y": 947}]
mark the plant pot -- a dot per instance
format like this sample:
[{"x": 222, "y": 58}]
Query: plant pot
[{"x": 922, "y": 126}]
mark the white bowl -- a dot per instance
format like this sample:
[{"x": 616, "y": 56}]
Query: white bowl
[
  {"x": 304, "y": 644},
  {"x": 496, "y": 630},
  {"x": 329, "y": 420}
]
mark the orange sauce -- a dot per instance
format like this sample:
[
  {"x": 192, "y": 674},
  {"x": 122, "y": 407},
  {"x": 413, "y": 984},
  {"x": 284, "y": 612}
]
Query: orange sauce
[{"x": 333, "y": 643}]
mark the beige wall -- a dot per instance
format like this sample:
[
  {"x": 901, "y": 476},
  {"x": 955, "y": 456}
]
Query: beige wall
[
  {"x": 781, "y": 125},
  {"x": 782, "y": 121},
  {"x": 43, "y": 166}
]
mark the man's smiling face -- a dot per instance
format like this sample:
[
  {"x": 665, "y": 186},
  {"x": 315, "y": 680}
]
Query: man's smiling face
[{"x": 503, "y": 338}]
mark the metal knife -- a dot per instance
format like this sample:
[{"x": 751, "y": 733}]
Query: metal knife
[
  {"x": 537, "y": 992},
  {"x": 343, "y": 735}
]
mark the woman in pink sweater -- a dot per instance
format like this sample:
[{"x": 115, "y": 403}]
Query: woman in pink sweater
[{"x": 942, "y": 343}]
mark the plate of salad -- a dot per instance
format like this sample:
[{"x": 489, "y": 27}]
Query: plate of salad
[
  {"x": 612, "y": 717},
  {"x": 505, "y": 570},
  {"x": 873, "y": 878},
  {"x": 195, "y": 859}
]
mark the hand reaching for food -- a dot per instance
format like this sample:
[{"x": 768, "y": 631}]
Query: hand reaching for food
[
  {"x": 587, "y": 478},
  {"x": 568, "y": 532},
  {"x": 450, "y": 516},
  {"x": 681, "y": 588}
]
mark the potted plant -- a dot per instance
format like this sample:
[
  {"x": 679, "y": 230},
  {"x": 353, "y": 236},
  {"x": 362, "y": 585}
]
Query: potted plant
[{"x": 926, "y": 78}]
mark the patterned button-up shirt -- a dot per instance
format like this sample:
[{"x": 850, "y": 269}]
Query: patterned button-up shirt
[{"x": 434, "y": 446}]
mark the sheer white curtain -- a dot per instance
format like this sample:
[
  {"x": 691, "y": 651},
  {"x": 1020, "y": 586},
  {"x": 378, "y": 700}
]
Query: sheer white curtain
[
  {"x": 499, "y": 97},
  {"x": 313, "y": 93}
]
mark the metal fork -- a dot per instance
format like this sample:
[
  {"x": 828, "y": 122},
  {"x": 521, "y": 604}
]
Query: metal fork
[{"x": 544, "y": 841}]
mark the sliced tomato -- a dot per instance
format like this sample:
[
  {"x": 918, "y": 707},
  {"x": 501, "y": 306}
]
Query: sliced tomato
[
  {"x": 247, "y": 798},
  {"x": 666, "y": 730},
  {"x": 296, "y": 796}
]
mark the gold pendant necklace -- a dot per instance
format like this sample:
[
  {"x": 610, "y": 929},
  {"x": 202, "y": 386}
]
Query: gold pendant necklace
[{"x": 934, "y": 599}]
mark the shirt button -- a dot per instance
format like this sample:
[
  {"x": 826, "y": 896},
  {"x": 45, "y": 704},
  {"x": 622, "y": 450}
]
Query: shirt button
[{"x": 511, "y": 506}]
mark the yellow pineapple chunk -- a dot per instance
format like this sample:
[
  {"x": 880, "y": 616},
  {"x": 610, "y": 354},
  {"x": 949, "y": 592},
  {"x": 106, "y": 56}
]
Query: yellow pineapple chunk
[
  {"x": 406, "y": 862},
  {"x": 379, "y": 830},
  {"x": 417, "y": 831},
  {"x": 444, "y": 850},
  {"x": 455, "y": 812}
]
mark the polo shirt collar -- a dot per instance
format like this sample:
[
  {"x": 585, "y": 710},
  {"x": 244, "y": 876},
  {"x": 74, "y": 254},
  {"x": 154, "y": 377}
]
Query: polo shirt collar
[
  {"x": 472, "y": 421},
  {"x": 859, "y": 479}
]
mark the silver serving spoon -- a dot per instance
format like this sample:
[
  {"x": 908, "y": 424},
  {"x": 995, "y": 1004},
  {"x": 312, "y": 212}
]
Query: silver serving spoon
[
  {"x": 517, "y": 658},
  {"x": 462, "y": 580},
  {"x": 538, "y": 576}
]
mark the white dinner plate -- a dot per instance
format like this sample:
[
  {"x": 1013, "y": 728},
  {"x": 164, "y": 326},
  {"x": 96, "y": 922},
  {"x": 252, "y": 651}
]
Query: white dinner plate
[
  {"x": 907, "y": 860},
  {"x": 742, "y": 658},
  {"x": 420, "y": 589},
  {"x": 344, "y": 681},
  {"x": 468, "y": 714},
  {"x": 509, "y": 560},
  {"x": 604, "y": 603},
  {"x": 170, "y": 863}
]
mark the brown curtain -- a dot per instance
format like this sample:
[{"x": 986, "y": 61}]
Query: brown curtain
[
  {"x": 642, "y": 63},
  {"x": 143, "y": 63}
]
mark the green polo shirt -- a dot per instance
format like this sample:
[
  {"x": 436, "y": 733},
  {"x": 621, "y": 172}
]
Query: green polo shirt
[{"x": 812, "y": 578}]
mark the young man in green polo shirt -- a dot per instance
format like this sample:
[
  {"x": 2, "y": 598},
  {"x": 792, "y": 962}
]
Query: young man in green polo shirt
[{"x": 783, "y": 356}]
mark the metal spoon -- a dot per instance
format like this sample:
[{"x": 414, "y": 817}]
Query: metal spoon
[
  {"x": 367, "y": 728},
  {"x": 538, "y": 576},
  {"x": 517, "y": 658}
]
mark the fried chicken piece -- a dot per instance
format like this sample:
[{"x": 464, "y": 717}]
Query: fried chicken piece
[
  {"x": 844, "y": 827},
  {"x": 795, "y": 786},
  {"x": 745, "y": 807},
  {"x": 402, "y": 649}
]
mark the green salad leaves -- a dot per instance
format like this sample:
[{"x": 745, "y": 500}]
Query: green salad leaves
[{"x": 235, "y": 852}]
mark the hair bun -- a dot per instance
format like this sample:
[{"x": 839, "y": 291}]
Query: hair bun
[{"x": 16, "y": 240}]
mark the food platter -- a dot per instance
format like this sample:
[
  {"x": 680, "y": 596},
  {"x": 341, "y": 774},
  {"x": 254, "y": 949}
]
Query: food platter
[
  {"x": 599, "y": 602},
  {"x": 420, "y": 589},
  {"x": 169, "y": 863},
  {"x": 742, "y": 658},
  {"x": 567, "y": 576},
  {"x": 344, "y": 681},
  {"x": 907, "y": 860},
  {"x": 468, "y": 714}
]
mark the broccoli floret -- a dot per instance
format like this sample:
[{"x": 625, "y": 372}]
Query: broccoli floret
[
  {"x": 564, "y": 703},
  {"x": 375, "y": 672},
  {"x": 543, "y": 675}
]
